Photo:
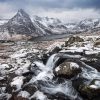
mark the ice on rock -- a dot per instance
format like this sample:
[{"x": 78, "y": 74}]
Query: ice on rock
[
  {"x": 18, "y": 82},
  {"x": 57, "y": 69},
  {"x": 96, "y": 85},
  {"x": 24, "y": 94},
  {"x": 3, "y": 68},
  {"x": 24, "y": 68},
  {"x": 19, "y": 54},
  {"x": 74, "y": 65},
  {"x": 93, "y": 86},
  {"x": 39, "y": 96}
]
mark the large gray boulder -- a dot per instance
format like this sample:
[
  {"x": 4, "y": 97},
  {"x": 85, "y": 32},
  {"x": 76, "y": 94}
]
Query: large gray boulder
[{"x": 67, "y": 69}]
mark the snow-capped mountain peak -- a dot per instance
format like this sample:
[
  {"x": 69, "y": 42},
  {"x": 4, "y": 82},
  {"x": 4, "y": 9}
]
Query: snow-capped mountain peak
[
  {"x": 46, "y": 21},
  {"x": 20, "y": 17}
]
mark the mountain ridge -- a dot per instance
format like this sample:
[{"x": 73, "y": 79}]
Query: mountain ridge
[{"x": 21, "y": 25}]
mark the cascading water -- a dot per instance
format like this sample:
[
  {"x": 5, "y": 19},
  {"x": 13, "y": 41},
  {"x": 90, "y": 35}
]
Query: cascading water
[
  {"x": 45, "y": 82},
  {"x": 50, "y": 86},
  {"x": 52, "y": 60}
]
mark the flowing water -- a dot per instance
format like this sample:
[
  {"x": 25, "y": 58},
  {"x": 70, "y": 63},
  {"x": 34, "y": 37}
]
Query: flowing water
[{"x": 44, "y": 78}]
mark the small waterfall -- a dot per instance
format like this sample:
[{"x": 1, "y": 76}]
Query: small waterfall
[{"x": 52, "y": 60}]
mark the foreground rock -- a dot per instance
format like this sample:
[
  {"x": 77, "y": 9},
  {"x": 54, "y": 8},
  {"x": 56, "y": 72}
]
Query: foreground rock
[{"x": 67, "y": 69}]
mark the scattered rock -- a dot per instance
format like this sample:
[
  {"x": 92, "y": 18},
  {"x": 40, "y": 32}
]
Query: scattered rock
[
  {"x": 73, "y": 39},
  {"x": 97, "y": 43},
  {"x": 54, "y": 48}
]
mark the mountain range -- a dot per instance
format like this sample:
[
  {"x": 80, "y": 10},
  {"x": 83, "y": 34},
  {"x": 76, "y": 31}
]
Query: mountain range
[{"x": 22, "y": 26}]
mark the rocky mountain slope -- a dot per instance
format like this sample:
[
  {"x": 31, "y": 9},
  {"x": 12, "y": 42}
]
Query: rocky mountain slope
[
  {"x": 22, "y": 27},
  {"x": 21, "y": 24},
  {"x": 88, "y": 24},
  {"x": 53, "y": 24}
]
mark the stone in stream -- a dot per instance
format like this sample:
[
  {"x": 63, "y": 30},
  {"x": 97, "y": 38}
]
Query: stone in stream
[
  {"x": 67, "y": 69},
  {"x": 91, "y": 91}
]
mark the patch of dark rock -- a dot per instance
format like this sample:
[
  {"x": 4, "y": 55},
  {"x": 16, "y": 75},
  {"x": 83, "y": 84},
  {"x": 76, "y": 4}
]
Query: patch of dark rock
[
  {"x": 4, "y": 57},
  {"x": 30, "y": 88},
  {"x": 89, "y": 92},
  {"x": 6, "y": 41},
  {"x": 9, "y": 88},
  {"x": 44, "y": 58},
  {"x": 55, "y": 50},
  {"x": 11, "y": 76},
  {"x": 94, "y": 64},
  {"x": 76, "y": 83},
  {"x": 28, "y": 76},
  {"x": 16, "y": 97},
  {"x": 58, "y": 96},
  {"x": 97, "y": 43}
]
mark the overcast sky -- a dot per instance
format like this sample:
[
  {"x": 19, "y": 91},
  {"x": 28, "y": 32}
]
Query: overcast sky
[{"x": 69, "y": 10}]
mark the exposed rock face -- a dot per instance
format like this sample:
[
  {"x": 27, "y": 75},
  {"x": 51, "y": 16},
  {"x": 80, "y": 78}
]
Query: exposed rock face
[
  {"x": 67, "y": 69},
  {"x": 19, "y": 24}
]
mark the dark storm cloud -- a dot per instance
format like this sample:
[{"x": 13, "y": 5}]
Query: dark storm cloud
[
  {"x": 55, "y": 3},
  {"x": 70, "y": 9}
]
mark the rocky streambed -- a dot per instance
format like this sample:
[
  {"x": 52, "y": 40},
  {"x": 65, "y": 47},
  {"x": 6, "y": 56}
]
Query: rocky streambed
[{"x": 57, "y": 70}]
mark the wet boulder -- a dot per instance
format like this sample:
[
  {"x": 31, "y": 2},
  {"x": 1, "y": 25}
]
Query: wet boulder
[
  {"x": 73, "y": 39},
  {"x": 67, "y": 69},
  {"x": 92, "y": 90}
]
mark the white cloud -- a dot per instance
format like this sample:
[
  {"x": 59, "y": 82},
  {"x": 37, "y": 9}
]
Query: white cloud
[
  {"x": 67, "y": 15},
  {"x": 8, "y": 10}
]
